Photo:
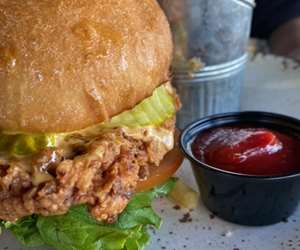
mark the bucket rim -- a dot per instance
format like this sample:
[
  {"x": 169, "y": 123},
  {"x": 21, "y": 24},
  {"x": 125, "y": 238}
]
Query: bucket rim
[
  {"x": 215, "y": 70},
  {"x": 250, "y": 3}
]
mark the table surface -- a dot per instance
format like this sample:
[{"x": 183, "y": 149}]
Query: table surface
[{"x": 272, "y": 84}]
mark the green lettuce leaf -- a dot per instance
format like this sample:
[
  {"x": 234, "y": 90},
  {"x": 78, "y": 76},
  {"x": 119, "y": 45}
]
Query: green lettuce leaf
[
  {"x": 26, "y": 231},
  {"x": 77, "y": 230}
]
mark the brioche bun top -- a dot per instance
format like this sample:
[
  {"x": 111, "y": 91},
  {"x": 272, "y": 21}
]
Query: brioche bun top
[{"x": 69, "y": 64}]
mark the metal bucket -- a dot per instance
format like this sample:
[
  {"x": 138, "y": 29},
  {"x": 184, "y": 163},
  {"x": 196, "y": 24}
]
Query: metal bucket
[
  {"x": 214, "y": 90},
  {"x": 208, "y": 31}
]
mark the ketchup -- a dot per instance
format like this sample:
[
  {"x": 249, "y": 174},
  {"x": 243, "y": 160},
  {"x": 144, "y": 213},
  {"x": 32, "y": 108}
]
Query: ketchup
[{"x": 247, "y": 150}]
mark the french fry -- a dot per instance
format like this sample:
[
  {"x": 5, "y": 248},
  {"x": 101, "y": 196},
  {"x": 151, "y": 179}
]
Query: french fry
[{"x": 184, "y": 196}]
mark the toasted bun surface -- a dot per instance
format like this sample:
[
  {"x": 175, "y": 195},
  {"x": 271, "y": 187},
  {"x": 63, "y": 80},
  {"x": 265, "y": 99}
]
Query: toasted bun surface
[{"x": 69, "y": 64}]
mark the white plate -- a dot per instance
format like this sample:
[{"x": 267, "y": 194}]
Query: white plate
[{"x": 272, "y": 84}]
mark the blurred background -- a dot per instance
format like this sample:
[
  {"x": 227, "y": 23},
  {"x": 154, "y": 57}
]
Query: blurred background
[{"x": 278, "y": 23}]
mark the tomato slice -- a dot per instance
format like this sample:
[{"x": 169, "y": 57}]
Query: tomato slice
[{"x": 161, "y": 174}]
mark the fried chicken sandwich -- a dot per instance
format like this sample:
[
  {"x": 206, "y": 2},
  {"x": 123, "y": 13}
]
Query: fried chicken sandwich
[{"x": 87, "y": 121}]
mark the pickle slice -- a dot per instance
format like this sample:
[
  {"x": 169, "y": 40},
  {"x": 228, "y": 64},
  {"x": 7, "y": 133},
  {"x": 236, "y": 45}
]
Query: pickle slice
[
  {"x": 152, "y": 111},
  {"x": 25, "y": 144}
]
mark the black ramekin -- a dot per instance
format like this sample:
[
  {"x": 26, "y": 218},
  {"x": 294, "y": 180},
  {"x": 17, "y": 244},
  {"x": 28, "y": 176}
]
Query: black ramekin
[{"x": 240, "y": 198}]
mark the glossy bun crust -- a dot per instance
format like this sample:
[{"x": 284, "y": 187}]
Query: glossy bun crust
[{"x": 69, "y": 64}]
